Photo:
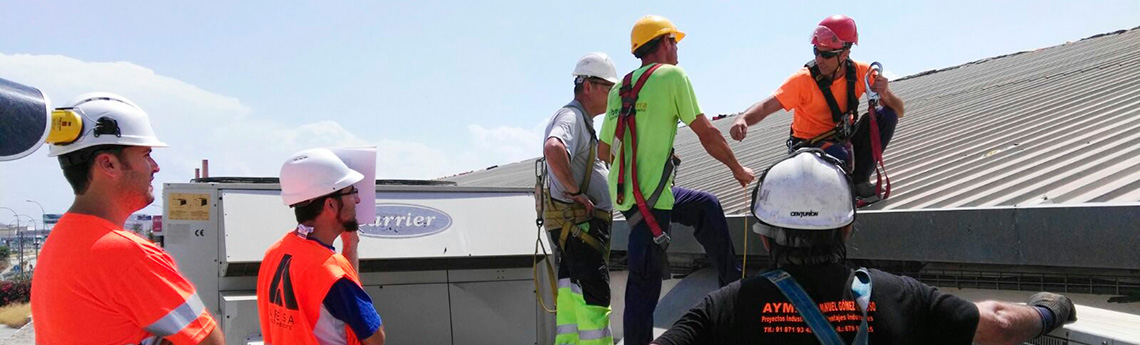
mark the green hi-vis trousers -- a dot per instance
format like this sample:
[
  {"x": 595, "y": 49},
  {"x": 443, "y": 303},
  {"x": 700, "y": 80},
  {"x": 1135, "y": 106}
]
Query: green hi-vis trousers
[{"x": 583, "y": 288}]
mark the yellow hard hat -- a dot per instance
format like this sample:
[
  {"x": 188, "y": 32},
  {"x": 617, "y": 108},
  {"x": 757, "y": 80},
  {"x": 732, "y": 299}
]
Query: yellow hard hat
[{"x": 650, "y": 27}]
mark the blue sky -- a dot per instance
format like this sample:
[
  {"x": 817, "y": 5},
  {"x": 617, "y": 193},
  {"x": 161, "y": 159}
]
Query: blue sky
[{"x": 443, "y": 87}]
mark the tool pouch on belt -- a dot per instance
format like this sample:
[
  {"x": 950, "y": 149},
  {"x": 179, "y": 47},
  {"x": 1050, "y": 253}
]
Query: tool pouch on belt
[{"x": 561, "y": 219}]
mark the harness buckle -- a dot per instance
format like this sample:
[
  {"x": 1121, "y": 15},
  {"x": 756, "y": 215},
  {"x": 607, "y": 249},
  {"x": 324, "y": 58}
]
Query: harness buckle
[
  {"x": 844, "y": 129},
  {"x": 662, "y": 240}
]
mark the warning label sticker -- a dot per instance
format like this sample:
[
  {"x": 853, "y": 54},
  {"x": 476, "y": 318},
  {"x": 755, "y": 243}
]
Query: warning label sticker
[{"x": 184, "y": 206}]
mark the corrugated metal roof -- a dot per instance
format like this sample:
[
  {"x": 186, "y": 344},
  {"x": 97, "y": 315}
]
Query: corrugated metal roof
[{"x": 1055, "y": 125}]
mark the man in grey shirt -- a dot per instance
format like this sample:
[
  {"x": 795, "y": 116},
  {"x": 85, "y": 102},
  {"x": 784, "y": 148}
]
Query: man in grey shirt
[{"x": 577, "y": 207}]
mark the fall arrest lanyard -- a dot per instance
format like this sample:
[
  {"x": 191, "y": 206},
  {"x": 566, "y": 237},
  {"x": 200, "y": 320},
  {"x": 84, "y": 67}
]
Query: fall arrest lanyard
[{"x": 882, "y": 190}]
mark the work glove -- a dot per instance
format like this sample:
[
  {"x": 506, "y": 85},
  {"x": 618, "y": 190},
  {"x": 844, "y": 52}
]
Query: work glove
[{"x": 1062, "y": 308}]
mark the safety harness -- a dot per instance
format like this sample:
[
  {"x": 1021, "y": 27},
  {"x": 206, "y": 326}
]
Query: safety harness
[
  {"x": 627, "y": 120},
  {"x": 561, "y": 219},
  {"x": 557, "y": 215},
  {"x": 860, "y": 289},
  {"x": 844, "y": 121}
]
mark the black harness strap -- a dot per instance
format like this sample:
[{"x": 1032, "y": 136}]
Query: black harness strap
[
  {"x": 843, "y": 121},
  {"x": 824, "y": 84}
]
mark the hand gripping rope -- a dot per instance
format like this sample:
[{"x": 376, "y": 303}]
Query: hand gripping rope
[
  {"x": 627, "y": 119},
  {"x": 882, "y": 190}
]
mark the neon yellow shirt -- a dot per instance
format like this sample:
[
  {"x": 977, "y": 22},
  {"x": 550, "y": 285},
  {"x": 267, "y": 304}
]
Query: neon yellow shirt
[{"x": 666, "y": 98}]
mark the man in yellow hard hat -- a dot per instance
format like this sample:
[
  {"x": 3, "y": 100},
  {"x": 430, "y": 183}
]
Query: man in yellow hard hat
[{"x": 640, "y": 124}]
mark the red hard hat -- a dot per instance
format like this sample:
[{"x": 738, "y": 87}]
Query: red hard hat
[{"x": 834, "y": 32}]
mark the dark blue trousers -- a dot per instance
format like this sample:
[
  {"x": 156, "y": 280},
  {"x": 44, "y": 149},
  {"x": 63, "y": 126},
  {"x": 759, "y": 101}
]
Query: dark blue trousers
[
  {"x": 887, "y": 119},
  {"x": 648, "y": 264}
]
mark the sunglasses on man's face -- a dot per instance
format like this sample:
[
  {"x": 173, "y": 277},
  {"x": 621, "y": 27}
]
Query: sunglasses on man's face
[{"x": 826, "y": 54}]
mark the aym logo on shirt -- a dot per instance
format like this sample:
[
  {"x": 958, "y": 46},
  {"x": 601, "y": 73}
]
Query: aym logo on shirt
[{"x": 406, "y": 220}]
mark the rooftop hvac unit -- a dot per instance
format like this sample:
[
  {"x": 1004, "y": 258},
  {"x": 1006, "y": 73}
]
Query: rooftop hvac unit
[{"x": 443, "y": 264}]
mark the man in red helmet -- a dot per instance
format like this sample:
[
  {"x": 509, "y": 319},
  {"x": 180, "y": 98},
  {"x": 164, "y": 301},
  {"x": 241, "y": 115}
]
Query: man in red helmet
[{"x": 825, "y": 90}]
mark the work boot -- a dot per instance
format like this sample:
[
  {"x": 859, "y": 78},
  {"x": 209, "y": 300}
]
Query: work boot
[{"x": 864, "y": 189}]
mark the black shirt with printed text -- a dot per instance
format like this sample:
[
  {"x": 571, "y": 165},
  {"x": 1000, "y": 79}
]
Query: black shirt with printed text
[{"x": 753, "y": 311}]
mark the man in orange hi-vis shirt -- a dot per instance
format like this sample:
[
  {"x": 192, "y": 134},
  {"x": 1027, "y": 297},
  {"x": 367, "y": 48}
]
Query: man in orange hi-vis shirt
[
  {"x": 96, "y": 283},
  {"x": 307, "y": 293},
  {"x": 825, "y": 89}
]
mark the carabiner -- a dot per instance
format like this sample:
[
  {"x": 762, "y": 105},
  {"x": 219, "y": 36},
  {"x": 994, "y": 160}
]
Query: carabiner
[
  {"x": 540, "y": 167},
  {"x": 875, "y": 67}
]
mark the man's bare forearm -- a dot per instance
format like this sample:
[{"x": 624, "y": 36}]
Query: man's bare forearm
[
  {"x": 889, "y": 99},
  {"x": 1006, "y": 323},
  {"x": 604, "y": 153},
  {"x": 760, "y": 110},
  {"x": 714, "y": 143}
]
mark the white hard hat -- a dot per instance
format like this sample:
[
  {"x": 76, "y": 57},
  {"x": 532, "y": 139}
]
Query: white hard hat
[
  {"x": 103, "y": 119},
  {"x": 807, "y": 191},
  {"x": 313, "y": 173},
  {"x": 596, "y": 65}
]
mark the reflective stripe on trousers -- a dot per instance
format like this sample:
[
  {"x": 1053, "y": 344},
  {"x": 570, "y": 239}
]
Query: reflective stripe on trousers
[{"x": 578, "y": 322}]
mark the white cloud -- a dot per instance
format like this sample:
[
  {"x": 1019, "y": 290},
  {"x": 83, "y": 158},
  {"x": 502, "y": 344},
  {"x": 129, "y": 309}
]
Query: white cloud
[
  {"x": 200, "y": 124},
  {"x": 890, "y": 75},
  {"x": 511, "y": 144}
]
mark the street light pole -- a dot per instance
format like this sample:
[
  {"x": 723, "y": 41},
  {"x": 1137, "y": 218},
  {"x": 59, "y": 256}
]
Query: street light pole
[
  {"x": 17, "y": 215},
  {"x": 22, "y": 236},
  {"x": 22, "y": 239},
  {"x": 43, "y": 226}
]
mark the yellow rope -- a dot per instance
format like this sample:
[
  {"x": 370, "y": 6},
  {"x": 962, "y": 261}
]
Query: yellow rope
[
  {"x": 549, "y": 268},
  {"x": 745, "y": 218}
]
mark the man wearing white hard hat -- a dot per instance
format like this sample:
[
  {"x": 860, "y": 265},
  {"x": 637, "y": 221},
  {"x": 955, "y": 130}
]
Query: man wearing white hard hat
[
  {"x": 307, "y": 293},
  {"x": 577, "y": 208},
  {"x": 806, "y": 205},
  {"x": 96, "y": 283}
]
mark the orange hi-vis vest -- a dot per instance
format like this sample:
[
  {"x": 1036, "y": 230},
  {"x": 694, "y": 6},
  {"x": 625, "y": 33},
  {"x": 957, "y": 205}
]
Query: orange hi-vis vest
[
  {"x": 95, "y": 283},
  {"x": 294, "y": 278}
]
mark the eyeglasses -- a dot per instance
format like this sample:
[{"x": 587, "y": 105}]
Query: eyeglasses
[
  {"x": 601, "y": 82},
  {"x": 826, "y": 54},
  {"x": 354, "y": 191}
]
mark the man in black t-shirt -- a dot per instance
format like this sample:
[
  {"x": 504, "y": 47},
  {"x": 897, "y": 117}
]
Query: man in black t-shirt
[{"x": 806, "y": 207}]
